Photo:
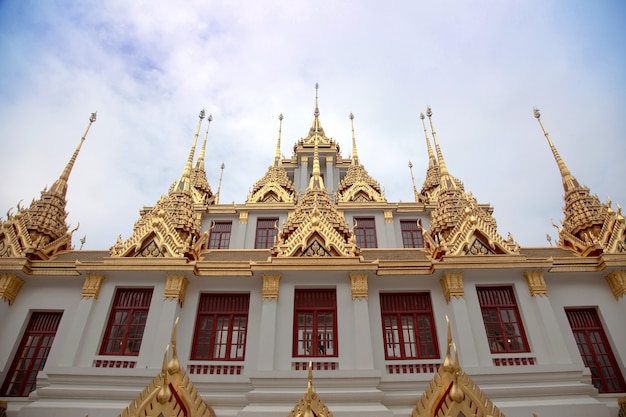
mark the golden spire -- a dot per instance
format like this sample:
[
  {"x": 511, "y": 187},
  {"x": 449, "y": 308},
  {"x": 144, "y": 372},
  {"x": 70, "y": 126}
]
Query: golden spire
[
  {"x": 569, "y": 182},
  {"x": 200, "y": 160},
  {"x": 412, "y": 178},
  {"x": 219, "y": 184},
  {"x": 316, "y": 112},
  {"x": 355, "y": 155},
  {"x": 431, "y": 156},
  {"x": 442, "y": 163},
  {"x": 60, "y": 186},
  {"x": 316, "y": 182},
  {"x": 277, "y": 161},
  {"x": 183, "y": 183}
]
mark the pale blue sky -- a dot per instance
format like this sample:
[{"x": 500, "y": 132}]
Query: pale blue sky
[{"x": 148, "y": 67}]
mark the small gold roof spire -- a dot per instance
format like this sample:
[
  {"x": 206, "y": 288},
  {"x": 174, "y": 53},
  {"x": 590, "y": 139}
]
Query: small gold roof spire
[
  {"x": 431, "y": 156},
  {"x": 183, "y": 183},
  {"x": 316, "y": 182},
  {"x": 442, "y": 163},
  {"x": 412, "y": 178},
  {"x": 355, "y": 154},
  {"x": 219, "y": 184},
  {"x": 200, "y": 160},
  {"x": 316, "y": 112},
  {"x": 60, "y": 186},
  {"x": 277, "y": 161}
]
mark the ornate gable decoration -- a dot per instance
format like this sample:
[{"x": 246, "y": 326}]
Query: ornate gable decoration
[
  {"x": 459, "y": 226},
  {"x": 171, "y": 228},
  {"x": 171, "y": 393},
  {"x": 358, "y": 185},
  {"x": 589, "y": 227},
  {"x": 315, "y": 228},
  {"x": 310, "y": 405},
  {"x": 40, "y": 231},
  {"x": 452, "y": 392}
]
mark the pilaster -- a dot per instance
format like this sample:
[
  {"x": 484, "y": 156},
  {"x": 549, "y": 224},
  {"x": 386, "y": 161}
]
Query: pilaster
[
  {"x": 329, "y": 181},
  {"x": 364, "y": 356},
  {"x": 304, "y": 173},
  {"x": 267, "y": 338}
]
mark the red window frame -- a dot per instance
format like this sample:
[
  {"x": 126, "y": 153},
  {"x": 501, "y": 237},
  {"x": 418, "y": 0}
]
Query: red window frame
[
  {"x": 265, "y": 233},
  {"x": 503, "y": 324},
  {"x": 219, "y": 238},
  {"x": 365, "y": 232},
  {"x": 595, "y": 349},
  {"x": 127, "y": 321},
  {"x": 411, "y": 234},
  {"x": 221, "y": 327},
  {"x": 408, "y": 326},
  {"x": 315, "y": 315},
  {"x": 32, "y": 354}
]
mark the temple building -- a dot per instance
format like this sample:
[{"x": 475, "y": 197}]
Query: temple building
[{"x": 418, "y": 308}]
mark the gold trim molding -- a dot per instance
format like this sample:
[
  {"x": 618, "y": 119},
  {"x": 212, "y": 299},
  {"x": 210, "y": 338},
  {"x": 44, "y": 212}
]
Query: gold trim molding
[
  {"x": 92, "y": 285},
  {"x": 176, "y": 288},
  {"x": 10, "y": 285},
  {"x": 452, "y": 285},
  {"x": 359, "y": 286},
  {"x": 617, "y": 282},
  {"x": 536, "y": 283},
  {"x": 271, "y": 284}
]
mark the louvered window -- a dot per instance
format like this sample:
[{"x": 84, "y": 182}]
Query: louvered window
[
  {"x": 411, "y": 234},
  {"x": 501, "y": 317},
  {"x": 127, "y": 321},
  {"x": 265, "y": 233},
  {"x": 365, "y": 232},
  {"x": 408, "y": 326},
  {"x": 315, "y": 323},
  {"x": 32, "y": 354},
  {"x": 220, "y": 235},
  {"x": 221, "y": 327},
  {"x": 595, "y": 349}
]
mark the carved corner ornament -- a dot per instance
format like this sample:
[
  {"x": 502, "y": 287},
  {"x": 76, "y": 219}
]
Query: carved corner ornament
[
  {"x": 92, "y": 285},
  {"x": 536, "y": 283},
  {"x": 10, "y": 285},
  {"x": 388, "y": 216},
  {"x": 271, "y": 285},
  {"x": 359, "y": 286},
  {"x": 452, "y": 285},
  {"x": 243, "y": 217},
  {"x": 617, "y": 282},
  {"x": 176, "y": 288}
]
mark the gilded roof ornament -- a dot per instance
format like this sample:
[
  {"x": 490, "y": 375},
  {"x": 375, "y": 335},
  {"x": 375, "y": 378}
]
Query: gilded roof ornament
[
  {"x": 589, "y": 227},
  {"x": 200, "y": 188},
  {"x": 310, "y": 405},
  {"x": 275, "y": 186},
  {"x": 172, "y": 227},
  {"x": 171, "y": 393},
  {"x": 40, "y": 231},
  {"x": 452, "y": 392}
]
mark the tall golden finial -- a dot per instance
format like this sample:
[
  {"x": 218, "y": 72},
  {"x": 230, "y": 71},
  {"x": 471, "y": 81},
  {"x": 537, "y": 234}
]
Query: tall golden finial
[
  {"x": 431, "y": 156},
  {"x": 562, "y": 167},
  {"x": 316, "y": 182},
  {"x": 355, "y": 155},
  {"x": 219, "y": 184},
  {"x": 183, "y": 183},
  {"x": 442, "y": 163},
  {"x": 277, "y": 160},
  {"x": 60, "y": 185},
  {"x": 412, "y": 178},
  {"x": 200, "y": 160},
  {"x": 316, "y": 113}
]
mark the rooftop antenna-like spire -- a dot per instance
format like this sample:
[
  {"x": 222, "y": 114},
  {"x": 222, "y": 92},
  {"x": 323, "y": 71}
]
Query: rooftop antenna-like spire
[
  {"x": 316, "y": 112},
  {"x": 431, "y": 156},
  {"x": 60, "y": 185},
  {"x": 200, "y": 161},
  {"x": 183, "y": 183},
  {"x": 562, "y": 167},
  {"x": 355, "y": 155},
  {"x": 277, "y": 160},
  {"x": 219, "y": 184},
  {"x": 442, "y": 163},
  {"x": 412, "y": 178}
]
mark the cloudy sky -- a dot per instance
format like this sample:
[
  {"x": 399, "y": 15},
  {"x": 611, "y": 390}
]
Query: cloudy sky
[{"x": 148, "y": 67}]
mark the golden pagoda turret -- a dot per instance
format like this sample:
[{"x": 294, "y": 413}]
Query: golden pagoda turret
[{"x": 40, "y": 230}]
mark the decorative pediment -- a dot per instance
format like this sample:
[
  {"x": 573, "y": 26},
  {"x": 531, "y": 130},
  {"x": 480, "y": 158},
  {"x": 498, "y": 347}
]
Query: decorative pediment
[
  {"x": 310, "y": 405},
  {"x": 171, "y": 393},
  {"x": 452, "y": 392}
]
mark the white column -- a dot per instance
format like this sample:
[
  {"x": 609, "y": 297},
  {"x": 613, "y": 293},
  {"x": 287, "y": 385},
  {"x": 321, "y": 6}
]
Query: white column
[
  {"x": 267, "y": 339},
  {"x": 363, "y": 353}
]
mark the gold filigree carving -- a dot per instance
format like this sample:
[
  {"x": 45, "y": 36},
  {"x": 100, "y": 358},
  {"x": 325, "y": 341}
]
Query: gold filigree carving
[
  {"x": 310, "y": 404},
  {"x": 388, "y": 216},
  {"x": 452, "y": 285},
  {"x": 243, "y": 217},
  {"x": 10, "y": 285},
  {"x": 617, "y": 283},
  {"x": 271, "y": 284},
  {"x": 536, "y": 283},
  {"x": 92, "y": 285},
  {"x": 359, "y": 286},
  {"x": 176, "y": 288}
]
